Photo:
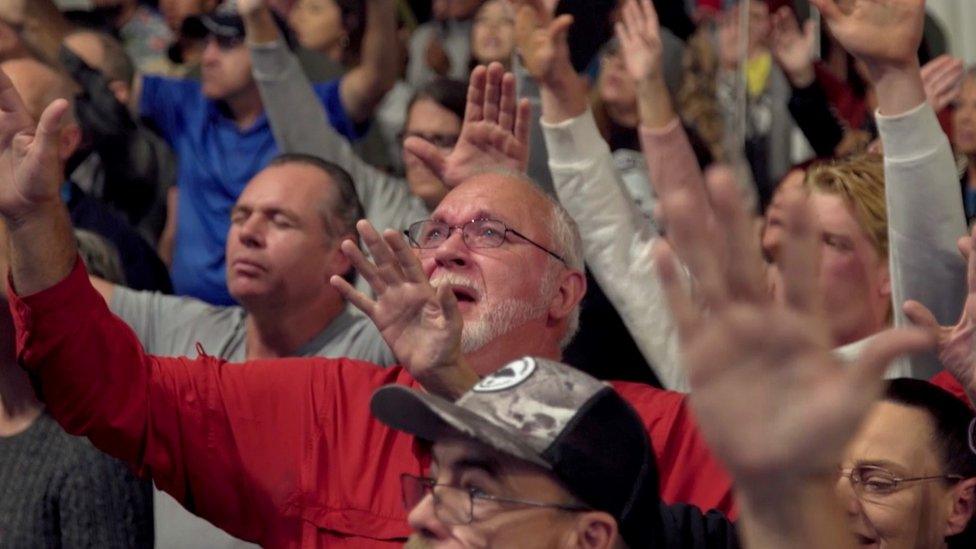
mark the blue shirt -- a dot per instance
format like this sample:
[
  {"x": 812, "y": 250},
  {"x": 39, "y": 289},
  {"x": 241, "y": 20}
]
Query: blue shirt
[{"x": 216, "y": 160}]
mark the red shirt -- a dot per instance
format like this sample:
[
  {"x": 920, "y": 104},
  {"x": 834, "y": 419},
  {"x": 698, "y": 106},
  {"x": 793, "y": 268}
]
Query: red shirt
[
  {"x": 949, "y": 382},
  {"x": 282, "y": 452}
]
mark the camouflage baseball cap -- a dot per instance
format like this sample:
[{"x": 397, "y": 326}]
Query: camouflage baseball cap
[{"x": 556, "y": 417}]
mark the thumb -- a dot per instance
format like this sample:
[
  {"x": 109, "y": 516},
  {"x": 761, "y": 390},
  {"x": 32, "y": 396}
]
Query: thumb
[
  {"x": 559, "y": 28},
  {"x": 47, "y": 138},
  {"x": 883, "y": 349},
  {"x": 426, "y": 152},
  {"x": 919, "y": 315},
  {"x": 449, "y": 306}
]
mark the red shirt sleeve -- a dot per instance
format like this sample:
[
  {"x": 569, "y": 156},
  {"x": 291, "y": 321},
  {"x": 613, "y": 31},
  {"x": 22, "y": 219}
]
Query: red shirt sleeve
[
  {"x": 689, "y": 472},
  {"x": 258, "y": 449}
]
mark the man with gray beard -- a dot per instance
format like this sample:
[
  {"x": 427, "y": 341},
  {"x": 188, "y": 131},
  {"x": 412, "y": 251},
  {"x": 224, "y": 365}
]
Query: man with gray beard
[{"x": 284, "y": 452}]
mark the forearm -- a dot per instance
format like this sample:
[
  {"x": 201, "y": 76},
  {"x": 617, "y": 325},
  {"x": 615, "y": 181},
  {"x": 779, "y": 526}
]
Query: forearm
[
  {"x": 898, "y": 88},
  {"x": 299, "y": 124},
  {"x": 617, "y": 240},
  {"x": 671, "y": 161},
  {"x": 42, "y": 249},
  {"x": 806, "y": 516},
  {"x": 654, "y": 103},
  {"x": 450, "y": 382},
  {"x": 365, "y": 86}
]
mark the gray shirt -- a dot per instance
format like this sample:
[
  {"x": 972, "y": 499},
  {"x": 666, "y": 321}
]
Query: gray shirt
[{"x": 173, "y": 326}]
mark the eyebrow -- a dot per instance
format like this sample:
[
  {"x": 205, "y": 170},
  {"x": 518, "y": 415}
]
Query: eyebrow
[
  {"x": 880, "y": 463},
  {"x": 489, "y": 466}
]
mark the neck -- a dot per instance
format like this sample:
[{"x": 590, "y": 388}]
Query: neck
[
  {"x": 512, "y": 346},
  {"x": 280, "y": 331},
  {"x": 18, "y": 405},
  {"x": 623, "y": 115},
  {"x": 245, "y": 107}
]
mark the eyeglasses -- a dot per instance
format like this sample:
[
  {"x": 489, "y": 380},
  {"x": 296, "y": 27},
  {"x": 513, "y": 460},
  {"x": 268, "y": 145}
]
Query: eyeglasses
[
  {"x": 875, "y": 483},
  {"x": 477, "y": 233},
  {"x": 456, "y": 506},
  {"x": 439, "y": 140}
]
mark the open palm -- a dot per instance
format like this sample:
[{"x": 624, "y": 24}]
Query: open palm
[
  {"x": 768, "y": 393},
  {"x": 639, "y": 34},
  {"x": 876, "y": 31}
]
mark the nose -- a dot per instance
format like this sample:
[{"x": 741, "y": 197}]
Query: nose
[
  {"x": 845, "y": 491},
  {"x": 453, "y": 251},
  {"x": 423, "y": 520},
  {"x": 251, "y": 232},
  {"x": 211, "y": 52}
]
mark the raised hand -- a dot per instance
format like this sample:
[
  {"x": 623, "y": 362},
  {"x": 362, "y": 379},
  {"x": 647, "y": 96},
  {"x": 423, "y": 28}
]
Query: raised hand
[
  {"x": 421, "y": 325},
  {"x": 250, "y": 7},
  {"x": 956, "y": 345},
  {"x": 541, "y": 40},
  {"x": 495, "y": 132},
  {"x": 943, "y": 78},
  {"x": 878, "y": 32},
  {"x": 639, "y": 33},
  {"x": 30, "y": 168},
  {"x": 771, "y": 399},
  {"x": 792, "y": 48}
]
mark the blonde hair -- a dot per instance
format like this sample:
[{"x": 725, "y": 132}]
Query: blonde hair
[
  {"x": 859, "y": 180},
  {"x": 696, "y": 99}
]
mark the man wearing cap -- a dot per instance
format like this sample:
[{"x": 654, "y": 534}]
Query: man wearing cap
[{"x": 539, "y": 454}]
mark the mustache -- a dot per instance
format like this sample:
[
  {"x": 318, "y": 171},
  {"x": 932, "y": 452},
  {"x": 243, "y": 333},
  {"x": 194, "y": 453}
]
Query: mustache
[{"x": 455, "y": 279}]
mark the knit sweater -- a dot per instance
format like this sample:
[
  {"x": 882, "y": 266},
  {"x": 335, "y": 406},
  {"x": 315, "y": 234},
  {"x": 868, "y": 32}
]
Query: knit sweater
[{"x": 57, "y": 490}]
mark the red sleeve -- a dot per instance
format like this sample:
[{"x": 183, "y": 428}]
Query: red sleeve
[
  {"x": 947, "y": 381},
  {"x": 228, "y": 441},
  {"x": 689, "y": 473}
]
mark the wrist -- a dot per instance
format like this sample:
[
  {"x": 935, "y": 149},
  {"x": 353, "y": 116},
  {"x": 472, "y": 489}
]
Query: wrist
[
  {"x": 898, "y": 87},
  {"x": 563, "y": 96},
  {"x": 654, "y": 103},
  {"x": 802, "y": 77}
]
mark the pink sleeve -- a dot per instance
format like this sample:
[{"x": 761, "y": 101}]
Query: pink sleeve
[{"x": 671, "y": 162}]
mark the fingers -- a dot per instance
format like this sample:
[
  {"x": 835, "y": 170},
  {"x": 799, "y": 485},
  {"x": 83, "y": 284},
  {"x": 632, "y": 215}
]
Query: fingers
[
  {"x": 508, "y": 108},
  {"x": 799, "y": 256},
  {"x": 687, "y": 317},
  {"x": 746, "y": 277},
  {"x": 881, "y": 351},
  {"x": 387, "y": 266},
  {"x": 426, "y": 152},
  {"x": 48, "y": 135},
  {"x": 652, "y": 24},
  {"x": 406, "y": 258},
  {"x": 523, "y": 122},
  {"x": 474, "y": 111},
  {"x": 695, "y": 245},
  {"x": 363, "y": 266},
  {"x": 449, "y": 306},
  {"x": 828, "y": 9},
  {"x": 493, "y": 92},
  {"x": 559, "y": 29},
  {"x": 360, "y": 300},
  {"x": 920, "y": 315}
]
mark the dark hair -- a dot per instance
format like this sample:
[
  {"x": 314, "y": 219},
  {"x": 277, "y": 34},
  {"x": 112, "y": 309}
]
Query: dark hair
[
  {"x": 116, "y": 63},
  {"x": 950, "y": 417},
  {"x": 353, "y": 15},
  {"x": 341, "y": 214},
  {"x": 450, "y": 94}
]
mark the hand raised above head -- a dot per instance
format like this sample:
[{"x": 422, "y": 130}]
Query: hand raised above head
[
  {"x": 639, "y": 34},
  {"x": 878, "y": 32},
  {"x": 542, "y": 40},
  {"x": 772, "y": 400},
  {"x": 30, "y": 167},
  {"x": 495, "y": 132}
]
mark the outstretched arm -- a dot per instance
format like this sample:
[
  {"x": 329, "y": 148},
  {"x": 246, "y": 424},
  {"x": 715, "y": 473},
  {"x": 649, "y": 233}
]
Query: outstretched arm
[
  {"x": 364, "y": 86},
  {"x": 772, "y": 401},
  {"x": 924, "y": 206}
]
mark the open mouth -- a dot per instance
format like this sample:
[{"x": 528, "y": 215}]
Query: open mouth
[
  {"x": 865, "y": 541},
  {"x": 464, "y": 295}
]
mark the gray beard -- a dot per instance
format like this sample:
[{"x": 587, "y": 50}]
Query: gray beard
[{"x": 497, "y": 320}]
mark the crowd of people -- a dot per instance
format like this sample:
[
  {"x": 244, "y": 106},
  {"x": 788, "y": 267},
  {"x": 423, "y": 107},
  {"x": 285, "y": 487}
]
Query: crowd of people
[{"x": 486, "y": 273}]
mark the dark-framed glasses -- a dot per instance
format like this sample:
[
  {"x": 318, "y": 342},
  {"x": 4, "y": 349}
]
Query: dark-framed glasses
[
  {"x": 874, "y": 483},
  {"x": 458, "y": 506},
  {"x": 477, "y": 233}
]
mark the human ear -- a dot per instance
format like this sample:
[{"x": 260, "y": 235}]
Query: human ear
[
  {"x": 596, "y": 530},
  {"x": 962, "y": 506},
  {"x": 572, "y": 287}
]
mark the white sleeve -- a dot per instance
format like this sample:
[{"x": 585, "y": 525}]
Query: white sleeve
[
  {"x": 617, "y": 240},
  {"x": 925, "y": 218}
]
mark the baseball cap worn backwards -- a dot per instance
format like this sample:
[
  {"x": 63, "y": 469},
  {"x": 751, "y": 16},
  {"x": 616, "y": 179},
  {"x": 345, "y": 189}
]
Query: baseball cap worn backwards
[{"x": 553, "y": 416}]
